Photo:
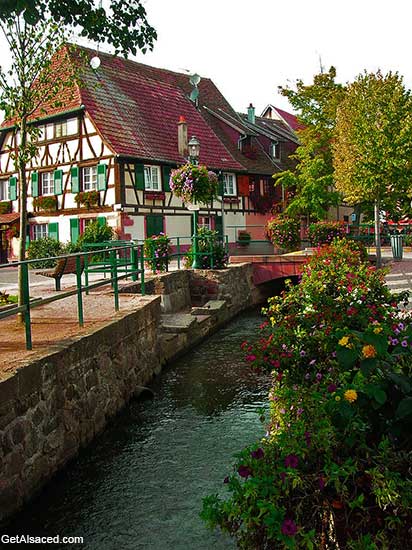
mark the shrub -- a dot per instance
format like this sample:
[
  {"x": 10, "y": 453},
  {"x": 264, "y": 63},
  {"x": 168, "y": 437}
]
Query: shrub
[
  {"x": 43, "y": 248},
  {"x": 334, "y": 468},
  {"x": 244, "y": 237},
  {"x": 156, "y": 251},
  {"x": 211, "y": 250},
  {"x": 95, "y": 233},
  {"x": 325, "y": 232},
  {"x": 284, "y": 232},
  {"x": 193, "y": 183}
]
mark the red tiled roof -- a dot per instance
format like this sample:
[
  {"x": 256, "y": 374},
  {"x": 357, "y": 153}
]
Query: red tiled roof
[
  {"x": 9, "y": 218},
  {"x": 290, "y": 119},
  {"x": 136, "y": 108}
]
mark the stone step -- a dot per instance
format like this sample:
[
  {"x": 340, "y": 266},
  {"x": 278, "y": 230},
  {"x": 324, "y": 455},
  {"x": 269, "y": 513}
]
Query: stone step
[
  {"x": 177, "y": 322},
  {"x": 213, "y": 307}
]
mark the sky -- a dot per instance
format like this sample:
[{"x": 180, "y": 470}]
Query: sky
[{"x": 250, "y": 47}]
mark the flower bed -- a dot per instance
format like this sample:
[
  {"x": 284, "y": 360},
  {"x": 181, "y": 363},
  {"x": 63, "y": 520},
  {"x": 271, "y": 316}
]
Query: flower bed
[
  {"x": 334, "y": 468},
  {"x": 325, "y": 232},
  {"x": 156, "y": 251}
]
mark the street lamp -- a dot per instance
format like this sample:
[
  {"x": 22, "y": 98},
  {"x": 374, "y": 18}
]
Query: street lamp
[{"x": 194, "y": 152}]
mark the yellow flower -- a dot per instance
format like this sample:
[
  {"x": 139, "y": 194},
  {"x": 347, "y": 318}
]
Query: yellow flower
[
  {"x": 350, "y": 395},
  {"x": 337, "y": 398},
  {"x": 344, "y": 341},
  {"x": 368, "y": 351},
  {"x": 377, "y": 330}
]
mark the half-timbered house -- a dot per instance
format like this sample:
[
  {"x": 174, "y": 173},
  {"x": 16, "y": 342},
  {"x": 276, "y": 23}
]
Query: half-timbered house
[{"x": 106, "y": 153}]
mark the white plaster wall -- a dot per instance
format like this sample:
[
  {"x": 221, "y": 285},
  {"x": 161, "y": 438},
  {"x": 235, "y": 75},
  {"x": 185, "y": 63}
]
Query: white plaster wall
[{"x": 178, "y": 226}]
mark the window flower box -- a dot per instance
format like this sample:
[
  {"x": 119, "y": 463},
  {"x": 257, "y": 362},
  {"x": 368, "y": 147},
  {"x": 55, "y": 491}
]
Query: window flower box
[
  {"x": 46, "y": 203},
  {"x": 154, "y": 195},
  {"x": 231, "y": 200},
  {"x": 5, "y": 207},
  {"x": 88, "y": 199}
]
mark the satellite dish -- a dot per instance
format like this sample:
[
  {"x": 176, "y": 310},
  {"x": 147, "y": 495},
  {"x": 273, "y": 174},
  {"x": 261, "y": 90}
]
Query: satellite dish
[
  {"x": 195, "y": 79},
  {"x": 95, "y": 62}
]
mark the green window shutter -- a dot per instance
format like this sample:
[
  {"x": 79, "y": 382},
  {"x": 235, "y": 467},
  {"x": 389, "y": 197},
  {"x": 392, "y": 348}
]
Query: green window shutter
[
  {"x": 53, "y": 231},
  {"x": 35, "y": 184},
  {"x": 101, "y": 177},
  {"x": 139, "y": 175},
  {"x": 74, "y": 173},
  {"x": 58, "y": 182},
  {"x": 101, "y": 220},
  {"x": 154, "y": 225},
  {"x": 13, "y": 188},
  {"x": 166, "y": 177},
  {"x": 219, "y": 225},
  {"x": 74, "y": 229},
  {"x": 220, "y": 186}
]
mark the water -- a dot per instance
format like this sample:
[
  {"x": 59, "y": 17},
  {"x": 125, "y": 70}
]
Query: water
[{"x": 141, "y": 483}]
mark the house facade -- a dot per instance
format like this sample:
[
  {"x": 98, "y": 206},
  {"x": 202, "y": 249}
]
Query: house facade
[{"x": 107, "y": 152}]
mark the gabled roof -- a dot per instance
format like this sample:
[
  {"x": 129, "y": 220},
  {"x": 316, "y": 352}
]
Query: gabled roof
[{"x": 288, "y": 118}]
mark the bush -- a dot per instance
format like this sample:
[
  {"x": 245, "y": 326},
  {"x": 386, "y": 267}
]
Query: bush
[
  {"x": 211, "y": 250},
  {"x": 43, "y": 248},
  {"x": 156, "y": 251},
  {"x": 95, "y": 233},
  {"x": 334, "y": 468},
  {"x": 325, "y": 232},
  {"x": 284, "y": 232}
]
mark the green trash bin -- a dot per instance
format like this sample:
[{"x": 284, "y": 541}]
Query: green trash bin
[{"x": 397, "y": 247}]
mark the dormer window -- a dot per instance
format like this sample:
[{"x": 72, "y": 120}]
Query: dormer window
[{"x": 275, "y": 150}]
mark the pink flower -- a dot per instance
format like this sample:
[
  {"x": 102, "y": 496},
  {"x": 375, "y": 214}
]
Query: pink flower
[
  {"x": 291, "y": 461},
  {"x": 289, "y": 528}
]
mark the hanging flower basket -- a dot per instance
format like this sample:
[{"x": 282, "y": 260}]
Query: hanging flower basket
[{"x": 193, "y": 183}]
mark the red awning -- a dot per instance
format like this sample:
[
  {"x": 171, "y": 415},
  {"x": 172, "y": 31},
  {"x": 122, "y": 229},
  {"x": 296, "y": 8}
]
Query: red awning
[{"x": 9, "y": 218}]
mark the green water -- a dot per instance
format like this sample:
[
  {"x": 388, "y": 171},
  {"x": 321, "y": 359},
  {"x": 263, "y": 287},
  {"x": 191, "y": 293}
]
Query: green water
[{"x": 141, "y": 483}]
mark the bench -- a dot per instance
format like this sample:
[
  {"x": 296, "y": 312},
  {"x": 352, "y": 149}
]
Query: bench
[{"x": 63, "y": 266}]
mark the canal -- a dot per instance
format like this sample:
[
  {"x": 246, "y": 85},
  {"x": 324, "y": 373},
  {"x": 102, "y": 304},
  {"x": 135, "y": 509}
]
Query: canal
[{"x": 140, "y": 484}]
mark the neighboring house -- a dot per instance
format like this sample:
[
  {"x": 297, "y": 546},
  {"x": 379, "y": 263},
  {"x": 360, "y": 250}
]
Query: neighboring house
[{"x": 107, "y": 153}]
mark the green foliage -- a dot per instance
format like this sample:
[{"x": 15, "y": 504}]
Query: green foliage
[
  {"x": 311, "y": 183},
  {"x": 7, "y": 299},
  {"x": 123, "y": 24},
  {"x": 193, "y": 183},
  {"x": 95, "y": 233},
  {"x": 44, "y": 248},
  {"x": 334, "y": 467},
  {"x": 211, "y": 250},
  {"x": 244, "y": 237},
  {"x": 156, "y": 252},
  {"x": 373, "y": 141},
  {"x": 284, "y": 232},
  {"x": 5, "y": 207},
  {"x": 325, "y": 232}
]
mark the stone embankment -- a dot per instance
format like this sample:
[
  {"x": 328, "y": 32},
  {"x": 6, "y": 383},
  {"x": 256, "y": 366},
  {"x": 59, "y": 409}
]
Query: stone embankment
[{"x": 57, "y": 403}]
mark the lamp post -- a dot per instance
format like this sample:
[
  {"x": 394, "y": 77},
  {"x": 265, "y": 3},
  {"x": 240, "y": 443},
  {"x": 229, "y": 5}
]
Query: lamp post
[{"x": 194, "y": 151}]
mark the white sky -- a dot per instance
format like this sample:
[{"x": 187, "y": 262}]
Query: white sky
[{"x": 250, "y": 47}]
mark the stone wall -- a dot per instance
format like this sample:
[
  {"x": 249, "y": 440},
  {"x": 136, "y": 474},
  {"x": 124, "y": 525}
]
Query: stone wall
[{"x": 58, "y": 403}]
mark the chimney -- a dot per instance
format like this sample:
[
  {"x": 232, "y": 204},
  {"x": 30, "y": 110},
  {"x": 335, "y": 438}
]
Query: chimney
[
  {"x": 182, "y": 137},
  {"x": 251, "y": 114}
]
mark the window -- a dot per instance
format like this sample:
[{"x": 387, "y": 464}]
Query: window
[
  {"x": 229, "y": 184},
  {"x": 89, "y": 178},
  {"x": 206, "y": 222},
  {"x": 39, "y": 231},
  {"x": 4, "y": 190},
  {"x": 275, "y": 150},
  {"x": 47, "y": 184},
  {"x": 60, "y": 129},
  {"x": 72, "y": 126},
  {"x": 151, "y": 178}
]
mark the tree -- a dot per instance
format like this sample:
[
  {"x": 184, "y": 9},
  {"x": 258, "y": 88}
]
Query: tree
[
  {"x": 312, "y": 180},
  {"x": 373, "y": 144},
  {"x": 124, "y": 24},
  {"x": 33, "y": 82}
]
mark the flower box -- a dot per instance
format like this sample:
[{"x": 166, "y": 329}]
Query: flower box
[
  {"x": 231, "y": 200},
  {"x": 5, "y": 207},
  {"x": 46, "y": 203},
  {"x": 88, "y": 198},
  {"x": 155, "y": 195}
]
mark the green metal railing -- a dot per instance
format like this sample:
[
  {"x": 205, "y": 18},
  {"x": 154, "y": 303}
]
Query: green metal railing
[{"x": 118, "y": 271}]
